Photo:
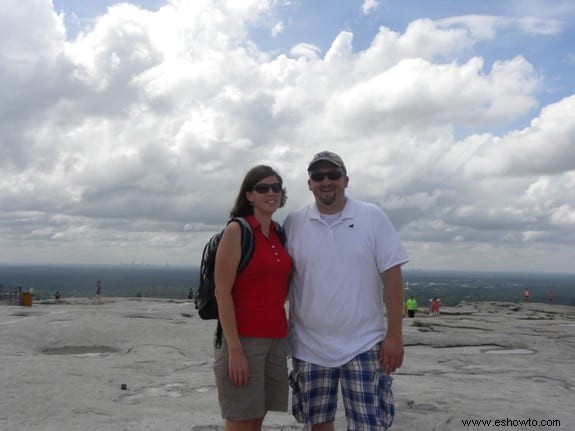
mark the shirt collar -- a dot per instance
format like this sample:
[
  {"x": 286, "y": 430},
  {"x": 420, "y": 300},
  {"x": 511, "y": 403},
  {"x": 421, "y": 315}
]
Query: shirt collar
[
  {"x": 348, "y": 211},
  {"x": 256, "y": 225}
]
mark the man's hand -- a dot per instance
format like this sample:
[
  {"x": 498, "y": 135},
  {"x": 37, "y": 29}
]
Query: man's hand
[{"x": 391, "y": 354}]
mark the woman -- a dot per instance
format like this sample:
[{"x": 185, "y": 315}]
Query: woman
[{"x": 250, "y": 366}]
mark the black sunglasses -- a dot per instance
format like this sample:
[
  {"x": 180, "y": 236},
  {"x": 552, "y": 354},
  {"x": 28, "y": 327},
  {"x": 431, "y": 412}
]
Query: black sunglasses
[
  {"x": 264, "y": 188},
  {"x": 331, "y": 175}
]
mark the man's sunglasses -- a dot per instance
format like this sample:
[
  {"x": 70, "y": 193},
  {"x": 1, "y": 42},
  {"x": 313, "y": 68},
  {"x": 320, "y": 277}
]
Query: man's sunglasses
[
  {"x": 264, "y": 188},
  {"x": 331, "y": 175}
]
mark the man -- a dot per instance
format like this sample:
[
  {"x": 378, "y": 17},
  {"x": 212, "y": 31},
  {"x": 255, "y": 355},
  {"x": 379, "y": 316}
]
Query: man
[
  {"x": 411, "y": 306},
  {"x": 343, "y": 249},
  {"x": 98, "y": 297}
]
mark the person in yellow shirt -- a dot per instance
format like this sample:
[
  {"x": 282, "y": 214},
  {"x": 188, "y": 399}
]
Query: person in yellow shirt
[{"x": 411, "y": 306}]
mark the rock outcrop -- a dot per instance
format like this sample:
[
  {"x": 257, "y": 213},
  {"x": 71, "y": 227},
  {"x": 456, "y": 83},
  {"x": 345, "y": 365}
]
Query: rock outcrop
[{"x": 143, "y": 364}]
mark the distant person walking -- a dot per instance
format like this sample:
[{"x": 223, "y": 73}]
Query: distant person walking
[
  {"x": 411, "y": 306},
  {"x": 527, "y": 295},
  {"x": 550, "y": 296},
  {"x": 98, "y": 297},
  {"x": 57, "y": 296},
  {"x": 435, "y": 305}
]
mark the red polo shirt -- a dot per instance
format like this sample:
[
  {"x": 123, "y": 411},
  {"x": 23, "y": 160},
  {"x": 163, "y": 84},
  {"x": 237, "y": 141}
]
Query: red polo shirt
[{"x": 260, "y": 290}]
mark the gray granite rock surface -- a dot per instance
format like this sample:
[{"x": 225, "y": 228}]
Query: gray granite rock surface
[{"x": 145, "y": 364}]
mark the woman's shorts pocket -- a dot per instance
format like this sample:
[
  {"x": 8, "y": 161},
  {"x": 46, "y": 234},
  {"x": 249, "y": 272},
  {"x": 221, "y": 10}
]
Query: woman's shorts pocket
[
  {"x": 384, "y": 398},
  {"x": 300, "y": 401}
]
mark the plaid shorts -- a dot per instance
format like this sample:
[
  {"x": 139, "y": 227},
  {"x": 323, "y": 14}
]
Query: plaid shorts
[{"x": 365, "y": 387}]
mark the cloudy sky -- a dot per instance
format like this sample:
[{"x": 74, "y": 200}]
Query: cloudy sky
[{"x": 126, "y": 128}]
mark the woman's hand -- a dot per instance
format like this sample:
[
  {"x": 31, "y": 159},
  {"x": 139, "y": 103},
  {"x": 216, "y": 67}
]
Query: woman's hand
[{"x": 238, "y": 369}]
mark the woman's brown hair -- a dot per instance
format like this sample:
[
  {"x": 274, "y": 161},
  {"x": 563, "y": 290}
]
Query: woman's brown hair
[{"x": 243, "y": 207}]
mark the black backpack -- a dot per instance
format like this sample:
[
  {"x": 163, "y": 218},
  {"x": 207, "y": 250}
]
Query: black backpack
[{"x": 205, "y": 298}]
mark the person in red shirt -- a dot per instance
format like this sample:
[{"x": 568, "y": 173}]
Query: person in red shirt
[
  {"x": 251, "y": 364},
  {"x": 435, "y": 305}
]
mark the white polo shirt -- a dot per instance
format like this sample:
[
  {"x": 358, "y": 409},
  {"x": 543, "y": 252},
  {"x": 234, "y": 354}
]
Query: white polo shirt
[{"x": 336, "y": 301}]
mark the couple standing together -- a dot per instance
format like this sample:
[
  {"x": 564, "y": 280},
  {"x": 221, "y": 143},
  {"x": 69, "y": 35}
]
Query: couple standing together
[{"x": 339, "y": 254}]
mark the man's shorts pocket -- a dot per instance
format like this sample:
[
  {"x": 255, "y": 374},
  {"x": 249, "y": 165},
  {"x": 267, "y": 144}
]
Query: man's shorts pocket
[
  {"x": 300, "y": 401},
  {"x": 384, "y": 398}
]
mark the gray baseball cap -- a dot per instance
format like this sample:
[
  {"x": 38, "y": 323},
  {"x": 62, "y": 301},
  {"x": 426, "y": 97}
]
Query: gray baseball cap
[{"x": 327, "y": 156}]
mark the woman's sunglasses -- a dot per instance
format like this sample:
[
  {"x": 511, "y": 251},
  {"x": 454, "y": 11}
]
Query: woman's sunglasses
[
  {"x": 331, "y": 175},
  {"x": 264, "y": 188}
]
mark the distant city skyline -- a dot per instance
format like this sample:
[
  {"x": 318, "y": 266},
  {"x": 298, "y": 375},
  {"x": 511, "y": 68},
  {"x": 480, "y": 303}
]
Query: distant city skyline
[
  {"x": 452, "y": 287},
  {"x": 126, "y": 128}
]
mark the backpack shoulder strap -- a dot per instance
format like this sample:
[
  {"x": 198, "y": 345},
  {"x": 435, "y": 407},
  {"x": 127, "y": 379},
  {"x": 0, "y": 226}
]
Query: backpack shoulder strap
[
  {"x": 247, "y": 241},
  {"x": 280, "y": 233}
]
